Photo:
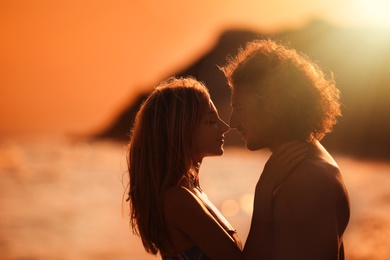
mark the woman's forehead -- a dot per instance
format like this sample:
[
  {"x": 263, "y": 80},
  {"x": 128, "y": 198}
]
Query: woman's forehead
[{"x": 212, "y": 106}]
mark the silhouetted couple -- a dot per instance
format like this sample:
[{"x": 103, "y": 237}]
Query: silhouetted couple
[{"x": 280, "y": 100}]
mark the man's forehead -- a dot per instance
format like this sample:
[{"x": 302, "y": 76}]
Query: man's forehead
[{"x": 240, "y": 95}]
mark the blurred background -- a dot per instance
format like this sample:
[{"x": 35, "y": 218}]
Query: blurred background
[{"x": 72, "y": 74}]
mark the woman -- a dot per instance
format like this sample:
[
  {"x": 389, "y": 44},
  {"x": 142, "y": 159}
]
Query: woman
[{"x": 175, "y": 128}]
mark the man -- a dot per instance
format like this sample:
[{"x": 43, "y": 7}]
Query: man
[{"x": 279, "y": 96}]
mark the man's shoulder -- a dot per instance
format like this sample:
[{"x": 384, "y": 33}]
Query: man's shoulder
[
  {"x": 315, "y": 180},
  {"x": 318, "y": 167},
  {"x": 314, "y": 174}
]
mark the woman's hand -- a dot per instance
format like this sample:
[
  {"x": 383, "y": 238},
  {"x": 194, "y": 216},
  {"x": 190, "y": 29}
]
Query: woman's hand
[{"x": 280, "y": 165}]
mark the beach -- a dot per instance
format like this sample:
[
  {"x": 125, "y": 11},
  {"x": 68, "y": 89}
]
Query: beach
[{"x": 61, "y": 198}]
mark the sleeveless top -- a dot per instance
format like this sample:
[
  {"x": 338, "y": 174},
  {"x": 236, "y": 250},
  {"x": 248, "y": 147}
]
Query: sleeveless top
[{"x": 195, "y": 252}]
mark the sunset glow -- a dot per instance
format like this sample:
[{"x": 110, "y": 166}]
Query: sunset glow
[
  {"x": 71, "y": 66},
  {"x": 372, "y": 12}
]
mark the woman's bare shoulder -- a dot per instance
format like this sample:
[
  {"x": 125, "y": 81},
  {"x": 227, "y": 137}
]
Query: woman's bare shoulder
[
  {"x": 180, "y": 201},
  {"x": 178, "y": 194}
]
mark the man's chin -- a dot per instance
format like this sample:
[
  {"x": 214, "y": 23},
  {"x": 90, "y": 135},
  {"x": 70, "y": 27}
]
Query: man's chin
[{"x": 253, "y": 147}]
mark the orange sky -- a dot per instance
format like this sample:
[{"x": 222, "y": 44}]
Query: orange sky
[{"x": 70, "y": 66}]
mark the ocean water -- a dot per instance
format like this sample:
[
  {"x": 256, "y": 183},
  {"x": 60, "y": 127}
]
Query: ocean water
[{"x": 61, "y": 198}]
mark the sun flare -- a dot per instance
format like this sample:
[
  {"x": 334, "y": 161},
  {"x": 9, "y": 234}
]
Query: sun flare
[{"x": 372, "y": 12}]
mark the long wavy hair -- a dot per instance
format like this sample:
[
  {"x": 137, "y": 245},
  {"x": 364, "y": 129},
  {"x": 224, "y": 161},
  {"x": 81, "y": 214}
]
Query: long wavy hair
[
  {"x": 299, "y": 95},
  {"x": 162, "y": 154}
]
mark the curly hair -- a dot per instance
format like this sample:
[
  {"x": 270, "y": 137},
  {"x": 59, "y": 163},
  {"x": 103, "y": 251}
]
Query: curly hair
[
  {"x": 161, "y": 154},
  {"x": 295, "y": 90}
]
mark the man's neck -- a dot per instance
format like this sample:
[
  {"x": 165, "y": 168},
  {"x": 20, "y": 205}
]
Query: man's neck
[{"x": 276, "y": 147}]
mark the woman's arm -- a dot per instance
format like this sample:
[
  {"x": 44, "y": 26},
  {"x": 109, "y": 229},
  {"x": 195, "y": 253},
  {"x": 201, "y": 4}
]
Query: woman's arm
[{"x": 187, "y": 214}]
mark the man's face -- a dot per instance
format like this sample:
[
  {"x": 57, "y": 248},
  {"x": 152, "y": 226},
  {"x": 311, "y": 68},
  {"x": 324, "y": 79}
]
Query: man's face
[{"x": 250, "y": 118}]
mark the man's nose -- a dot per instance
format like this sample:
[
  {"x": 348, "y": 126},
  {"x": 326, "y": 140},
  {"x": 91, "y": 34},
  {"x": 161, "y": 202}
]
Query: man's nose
[
  {"x": 233, "y": 122},
  {"x": 223, "y": 126}
]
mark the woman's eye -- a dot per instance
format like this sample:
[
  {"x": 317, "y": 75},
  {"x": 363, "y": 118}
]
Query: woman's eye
[{"x": 212, "y": 120}]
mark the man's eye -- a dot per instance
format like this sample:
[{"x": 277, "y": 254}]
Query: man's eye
[{"x": 238, "y": 110}]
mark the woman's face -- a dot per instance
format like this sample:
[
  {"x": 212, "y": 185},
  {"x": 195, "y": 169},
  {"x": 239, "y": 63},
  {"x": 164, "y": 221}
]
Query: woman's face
[{"x": 210, "y": 136}]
